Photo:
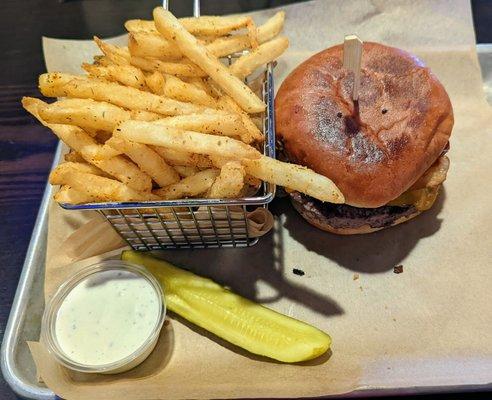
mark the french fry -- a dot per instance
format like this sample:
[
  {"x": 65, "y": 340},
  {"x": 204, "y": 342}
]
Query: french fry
[
  {"x": 253, "y": 133},
  {"x": 105, "y": 152},
  {"x": 294, "y": 177},
  {"x": 156, "y": 134},
  {"x": 214, "y": 26},
  {"x": 140, "y": 25},
  {"x": 173, "y": 31},
  {"x": 189, "y": 186},
  {"x": 271, "y": 28},
  {"x": 140, "y": 115},
  {"x": 219, "y": 162},
  {"x": 87, "y": 168},
  {"x": 183, "y": 68},
  {"x": 252, "y": 34},
  {"x": 185, "y": 171},
  {"x": 252, "y": 181},
  {"x": 69, "y": 195},
  {"x": 155, "y": 81},
  {"x": 229, "y": 183},
  {"x": 224, "y": 46},
  {"x": 206, "y": 39},
  {"x": 117, "y": 55},
  {"x": 265, "y": 53},
  {"x": 183, "y": 91},
  {"x": 183, "y": 158},
  {"x": 73, "y": 156},
  {"x": 97, "y": 186},
  {"x": 65, "y": 85},
  {"x": 166, "y": 110},
  {"x": 102, "y": 61},
  {"x": 126, "y": 74},
  {"x": 77, "y": 139},
  {"x": 85, "y": 113},
  {"x": 100, "y": 117},
  {"x": 206, "y": 25},
  {"x": 102, "y": 136},
  {"x": 215, "y": 123},
  {"x": 152, "y": 45},
  {"x": 202, "y": 84},
  {"x": 147, "y": 159}
]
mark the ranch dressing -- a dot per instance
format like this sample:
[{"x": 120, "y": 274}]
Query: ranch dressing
[{"x": 106, "y": 317}]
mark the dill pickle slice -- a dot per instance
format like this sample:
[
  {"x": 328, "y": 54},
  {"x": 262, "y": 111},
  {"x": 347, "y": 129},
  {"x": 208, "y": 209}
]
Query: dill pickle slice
[{"x": 242, "y": 322}]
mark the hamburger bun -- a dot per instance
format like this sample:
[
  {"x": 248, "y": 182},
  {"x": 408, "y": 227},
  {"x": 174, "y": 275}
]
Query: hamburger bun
[{"x": 378, "y": 150}]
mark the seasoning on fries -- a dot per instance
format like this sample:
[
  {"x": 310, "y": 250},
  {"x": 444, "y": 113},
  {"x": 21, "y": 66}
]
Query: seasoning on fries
[{"x": 166, "y": 119}]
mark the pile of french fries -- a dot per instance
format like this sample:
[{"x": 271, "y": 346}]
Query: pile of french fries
[{"x": 165, "y": 119}]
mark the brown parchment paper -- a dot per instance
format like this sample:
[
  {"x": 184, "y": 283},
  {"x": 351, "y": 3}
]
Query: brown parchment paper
[{"x": 428, "y": 326}]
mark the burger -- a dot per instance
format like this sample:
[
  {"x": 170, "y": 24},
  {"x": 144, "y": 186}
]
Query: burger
[{"x": 386, "y": 151}]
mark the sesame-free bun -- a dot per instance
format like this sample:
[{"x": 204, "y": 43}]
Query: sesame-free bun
[{"x": 403, "y": 122}]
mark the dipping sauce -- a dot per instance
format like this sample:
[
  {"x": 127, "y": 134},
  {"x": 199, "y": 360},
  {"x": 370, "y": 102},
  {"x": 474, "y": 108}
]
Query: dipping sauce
[{"x": 106, "y": 320}]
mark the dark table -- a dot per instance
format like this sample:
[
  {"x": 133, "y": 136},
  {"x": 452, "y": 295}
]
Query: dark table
[{"x": 26, "y": 149}]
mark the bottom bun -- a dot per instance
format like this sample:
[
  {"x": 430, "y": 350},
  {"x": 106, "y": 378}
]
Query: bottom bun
[{"x": 343, "y": 219}]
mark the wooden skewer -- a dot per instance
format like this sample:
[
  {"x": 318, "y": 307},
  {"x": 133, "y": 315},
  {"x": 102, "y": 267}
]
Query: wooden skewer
[{"x": 352, "y": 58}]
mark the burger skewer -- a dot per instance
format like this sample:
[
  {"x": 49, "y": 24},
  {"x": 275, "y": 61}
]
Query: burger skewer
[{"x": 352, "y": 60}]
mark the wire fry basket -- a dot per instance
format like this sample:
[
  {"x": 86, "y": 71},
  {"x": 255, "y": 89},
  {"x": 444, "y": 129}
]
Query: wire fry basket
[{"x": 194, "y": 223}]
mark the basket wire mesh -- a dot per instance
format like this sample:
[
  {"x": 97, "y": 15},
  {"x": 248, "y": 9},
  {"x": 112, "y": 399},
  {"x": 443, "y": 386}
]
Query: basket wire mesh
[{"x": 194, "y": 223}]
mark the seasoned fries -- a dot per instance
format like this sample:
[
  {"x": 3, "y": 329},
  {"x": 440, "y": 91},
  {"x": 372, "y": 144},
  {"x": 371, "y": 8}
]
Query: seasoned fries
[
  {"x": 215, "y": 123},
  {"x": 124, "y": 74},
  {"x": 85, "y": 113},
  {"x": 229, "y": 183},
  {"x": 86, "y": 146},
  {"x": 252, "y": 34},
  {"x": 183, "y": 91},
  {"x": 294, "y": 177},
  {"x": 153, "y": 45},
  {"x": 69, "y": 195},
  {"x": 165, "y": 119},
  {"x": 253, "y": 133},
  {"x": 183, "y": 158},
  {"x": 96, "y": 186},
  {"x": 190, "y": 186},
  {"x": 269, "y": 51},
  {"x": 147, "y": 159},
  {"x": 185, "y": 171},
  {"x": 184, "y": 68},
  {"x": 213, "y": 26},
  {"x": 65, "y": 85},
  {"x": 172, "y": 30},
  {"x": 206, "y": 25},
  {"x": 156, "y": 134},
  {"x": 155, "y": 82},
  {"x": 117, "y": 55}
]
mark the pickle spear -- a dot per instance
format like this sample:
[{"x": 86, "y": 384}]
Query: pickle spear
[{"x": 233, "y": 318}]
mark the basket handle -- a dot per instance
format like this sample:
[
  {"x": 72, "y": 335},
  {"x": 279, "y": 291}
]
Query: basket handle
[{"x": 196, "y": 7}]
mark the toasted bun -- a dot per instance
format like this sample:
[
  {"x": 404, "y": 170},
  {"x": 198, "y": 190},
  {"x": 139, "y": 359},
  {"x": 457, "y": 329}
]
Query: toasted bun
[
  {"x": 343, "y": 219},
  {"x": 403, "y": 123}
]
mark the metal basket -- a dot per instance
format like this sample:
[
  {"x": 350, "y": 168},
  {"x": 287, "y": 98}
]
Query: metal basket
[{"x": 193, "y": 223}]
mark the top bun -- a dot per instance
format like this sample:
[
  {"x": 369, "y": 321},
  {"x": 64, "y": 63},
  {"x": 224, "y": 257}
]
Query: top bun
[{"x": 405, "y": 120}]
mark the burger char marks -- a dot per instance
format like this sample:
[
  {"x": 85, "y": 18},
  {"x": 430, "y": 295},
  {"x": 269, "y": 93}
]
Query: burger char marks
[{"x": 377, "y": 153}]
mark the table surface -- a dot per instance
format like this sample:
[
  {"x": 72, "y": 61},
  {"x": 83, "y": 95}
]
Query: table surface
[{"x": 26, "y": 149}]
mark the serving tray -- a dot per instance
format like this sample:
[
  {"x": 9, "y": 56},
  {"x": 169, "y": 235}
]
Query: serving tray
[{"x": 25, "y": 317}]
